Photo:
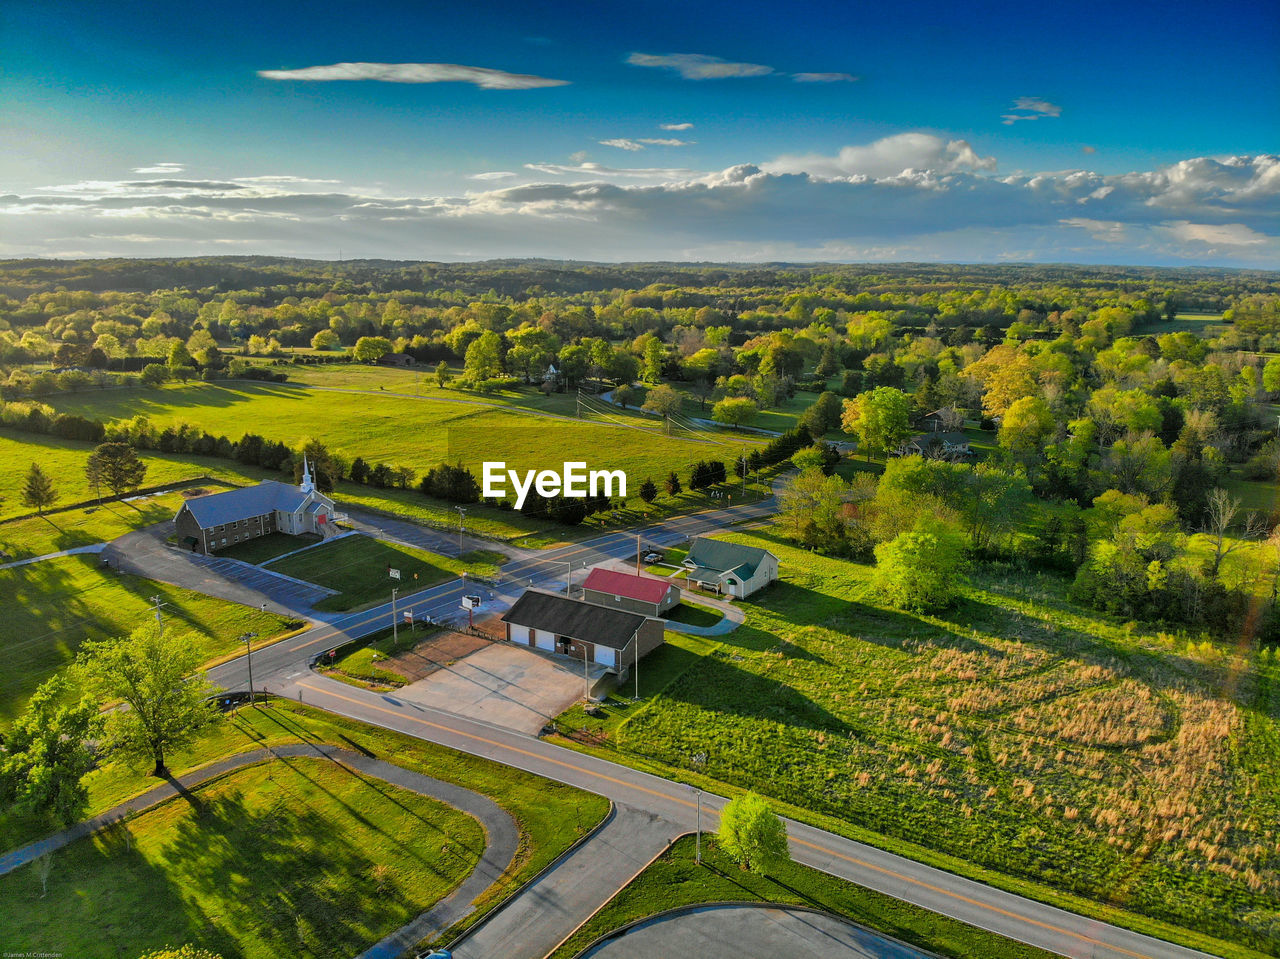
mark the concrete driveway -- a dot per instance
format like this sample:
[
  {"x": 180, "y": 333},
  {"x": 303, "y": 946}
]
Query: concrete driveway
[{"x": 508, "y": 686}]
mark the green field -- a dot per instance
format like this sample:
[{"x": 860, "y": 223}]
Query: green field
[
  {"x": 64, "y": 461},
  {"x": 263, "y": 862},
  {"x": 675, "y": 880},
  {"x": 261, "y": 550},
  {"x": 694, "y": 614},
  {"x": 54, "y": 532},
  {"x": 357, "y": 566},
  {"x": 1055, "y": 748},
  {"x": 53, "y": 606},
  {"x": 418, "y": 433}
]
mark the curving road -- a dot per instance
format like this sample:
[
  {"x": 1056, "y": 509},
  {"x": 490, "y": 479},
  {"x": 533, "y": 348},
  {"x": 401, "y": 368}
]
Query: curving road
[{"x": 599, "y": 867}]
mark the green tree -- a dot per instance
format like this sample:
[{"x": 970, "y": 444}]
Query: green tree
[
  {"x": 648, "y": 491},
  {"x": 155, "y": 374},
  {"x": 921, "y": 570},
  {"x": 880, "y": 419},
  {"x": 752, "y": 835},
  {"x": 824, "y": 415},
  {"x": 664, "y": 401},
  {"x": 623, "y": 395},
  {"x": 653, "y": 356},
  {"x": 325, "y": 340},
  {"x": 443, "y": 374},
  {"x": 38, "y": 492},
  {"x": 483, "y": 361},
  {"x": 1271, "y": 375},
  {"x": 370, "y": 349},
  {"x": 115, "y": 466},
  {"x": 153, "y": 673},
  {"x": 734, "y": 411},
  {"x": 46, "y": 753},
  {"x": 1025, "y": 425},
  {"x": 186, "y": 951},
  {"x": 672, "y": 484},
  {"x": 179, "y": 356}
]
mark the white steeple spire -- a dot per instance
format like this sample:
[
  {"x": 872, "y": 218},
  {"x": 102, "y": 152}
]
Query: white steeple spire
[{"x": 307, "y": 485}]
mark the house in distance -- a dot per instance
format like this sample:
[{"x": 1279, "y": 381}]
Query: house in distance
[
  {"x": 729, "y": 568},
  {"x": 206, "y": 524},
  {"x": 553, "y": 623},
  {"x": 629, "y": 591}
]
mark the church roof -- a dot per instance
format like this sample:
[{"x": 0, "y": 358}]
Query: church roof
[{"x": 218, "y": 509}]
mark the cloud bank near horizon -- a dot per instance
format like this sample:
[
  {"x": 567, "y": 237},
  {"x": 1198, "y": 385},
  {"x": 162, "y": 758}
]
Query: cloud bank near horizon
[
  {"x": 912, "y": 196},
  {"x": 483, "y": 77}
]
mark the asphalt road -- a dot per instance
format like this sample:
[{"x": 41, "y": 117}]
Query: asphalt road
[{"x": 283, "y": 669}]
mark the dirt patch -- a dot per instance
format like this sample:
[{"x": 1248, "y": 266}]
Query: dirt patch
[{"x": 441, "y": 650}]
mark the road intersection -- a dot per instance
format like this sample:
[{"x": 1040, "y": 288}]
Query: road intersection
[{"x": 651, "y": 811}]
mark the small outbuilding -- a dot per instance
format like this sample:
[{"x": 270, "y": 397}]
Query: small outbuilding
[
  {"x": 729, "y": 568},
  {"x": 630, "y": 591},
  {"x": 553, "y": 623}
]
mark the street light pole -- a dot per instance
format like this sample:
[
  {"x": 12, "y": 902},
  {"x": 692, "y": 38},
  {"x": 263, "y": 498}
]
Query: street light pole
[
  {"x": 586, "y": 677},
  {"x": 462, "y": 512},
  {"x": 248, "y": 651},
  {"x": 395, "y": 629}
]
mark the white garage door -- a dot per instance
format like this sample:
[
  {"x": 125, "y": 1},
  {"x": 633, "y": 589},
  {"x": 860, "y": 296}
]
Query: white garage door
[{"x": 544, "y": 640}]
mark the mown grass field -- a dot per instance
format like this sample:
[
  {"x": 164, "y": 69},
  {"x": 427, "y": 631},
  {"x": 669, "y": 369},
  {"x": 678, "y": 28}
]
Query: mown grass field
[
  {"x": 64, "y": 461},
  {"x": 53, "y": 606},
  {"x": 357, "y": 566},
  {"x": 676, "y": 880},
  {"x": 418, "y": 433},
  {"x": 551, "y": 816},
  {"x": 1062, "y": 750},
  {"x": 301, "y": 857}
]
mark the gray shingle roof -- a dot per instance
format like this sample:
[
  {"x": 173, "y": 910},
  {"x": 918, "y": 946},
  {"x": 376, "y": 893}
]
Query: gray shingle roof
[
  {"x": 713, "y": 554},
  {"x": 217, "y": 509},
  {"x": 573, "y": 618}
]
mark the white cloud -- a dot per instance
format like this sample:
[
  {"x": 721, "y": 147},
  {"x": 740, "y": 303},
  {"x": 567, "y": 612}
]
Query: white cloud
[
  {"x": 1031, "y": 108},
  {"x": 675, "y": 126},
  {"x": 417, "y": 73},
  {"x": 888, "y": 157},
  {"x": 622, "y": 143},
  {"x": 824, "y": 78},
  {"x": 639, "y": 143},
  {"x": 698, "y": 66},
  {"x": 1224, "y": 234},
  {"x": 161, "y": 168},
  {"x": 283, "y": 179},
  {"x": 492, "y": 175},
  {"x": 882, "y": 200}
]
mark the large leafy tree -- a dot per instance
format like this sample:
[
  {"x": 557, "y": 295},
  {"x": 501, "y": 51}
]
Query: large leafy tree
[
  {"x": 921, "y": 570},
  {"x": 46, "y": 753},
  {"x": 880, "y": 419},
  {"x": 664, "y": 401},
  {"x": 38, "y": 490},
  {"x": 370, "y": 349},
  {"x": 483, "y": 360},
  {"x": 752, "y": 834},
  {"x": 734, "y": 411},
  {"x": 153, "y": 674},
  {"x": 115, "y": 466}
]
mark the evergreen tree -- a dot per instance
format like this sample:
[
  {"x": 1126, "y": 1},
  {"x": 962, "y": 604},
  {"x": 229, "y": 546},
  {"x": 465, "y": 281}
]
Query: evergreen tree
[
  {"x": 672, "y": 484},
  {"x": 648, "y": 491},
  {"x": 38, "y": 491}
]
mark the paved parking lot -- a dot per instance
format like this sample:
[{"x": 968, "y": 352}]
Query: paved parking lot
[{"x": 501, "y": 684}]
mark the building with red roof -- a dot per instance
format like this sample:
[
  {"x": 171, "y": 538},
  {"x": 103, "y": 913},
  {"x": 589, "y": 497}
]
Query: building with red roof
[{"x": 637, "y": 594}]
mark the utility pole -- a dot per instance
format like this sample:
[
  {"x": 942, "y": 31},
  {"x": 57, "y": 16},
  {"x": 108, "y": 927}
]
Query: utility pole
[
  {"x": 248, "y": 651},
  {"x": 636, "y": 667},
  {"x": 462, "y": 512},
  {"x": 568, "y": 581},
  {"x": 744, "y": 472},
  {"x": 159, "y": 616},
  {"x": 395, "y": 627},
  {"x": 586, "y": 677},
  {"x": 637, "y": 554},
  {"x": 697, "y": 856}
]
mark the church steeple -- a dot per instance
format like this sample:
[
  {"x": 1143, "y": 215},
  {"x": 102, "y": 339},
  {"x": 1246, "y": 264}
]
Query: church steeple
[{"x": 307, "y": 485}]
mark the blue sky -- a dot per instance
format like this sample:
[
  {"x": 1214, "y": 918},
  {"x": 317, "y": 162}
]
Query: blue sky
[{"x": 1091, "y": 132}]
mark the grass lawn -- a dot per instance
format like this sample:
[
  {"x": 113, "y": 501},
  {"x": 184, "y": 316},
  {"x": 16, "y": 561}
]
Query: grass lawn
[
  {"x": 356, "y": 566},
  {"x": 359, "y": 666},
  {"x": 54, "y": 532},
  {"x": 675, "y": 880},
  {"x": 263, "y": 862},
  {"x": 1055, "y": 752},
  {"x": 694, "y": 614},
  {"x": 263, "y": 549},
  {"x": 64, "y": 461},
  {"x": 409, "y": 431},
  {"x": 551, "y": 816},
  {"x": 51, "y": 607}
]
